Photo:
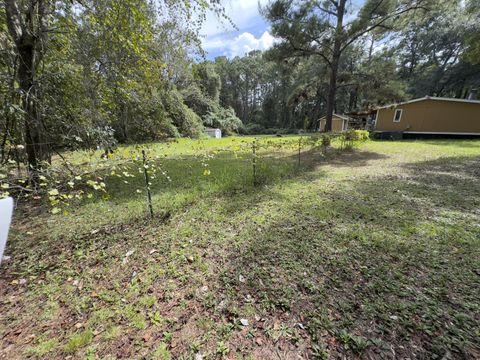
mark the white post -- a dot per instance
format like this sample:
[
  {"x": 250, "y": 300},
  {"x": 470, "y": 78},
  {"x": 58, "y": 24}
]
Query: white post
[{"x": 6, "y": 208}]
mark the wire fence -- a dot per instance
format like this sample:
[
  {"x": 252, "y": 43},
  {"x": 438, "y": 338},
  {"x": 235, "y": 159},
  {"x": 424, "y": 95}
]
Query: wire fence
[{"x": 240, "y": 165}]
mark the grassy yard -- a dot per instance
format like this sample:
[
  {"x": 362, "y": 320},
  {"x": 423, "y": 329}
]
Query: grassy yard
[{"x": 372, "y": 253}]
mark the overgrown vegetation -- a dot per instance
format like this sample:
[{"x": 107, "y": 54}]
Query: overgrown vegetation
[
  {"x": 136, "y": 236},
  {"x": 364, "y": 253},
  {"x": 89, "y": 74}
]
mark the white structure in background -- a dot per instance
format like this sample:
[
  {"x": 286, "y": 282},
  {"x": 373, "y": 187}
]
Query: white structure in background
[
  {"x": 215, "y": 133},
  {"x": 6, "y": 208}
]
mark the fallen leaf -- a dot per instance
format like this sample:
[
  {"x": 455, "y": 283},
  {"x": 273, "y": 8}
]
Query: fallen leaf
[{"x": 127, "y": 255}]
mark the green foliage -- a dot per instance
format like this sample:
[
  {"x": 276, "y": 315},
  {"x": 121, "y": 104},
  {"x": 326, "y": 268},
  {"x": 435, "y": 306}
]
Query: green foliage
[
  {"x": 185, "y": 119},
  {"x": 195, "y": 99},
  {"x": 352, "y": 138},
  {"x": 109, "y": 64},
  {"x": 208, "y": 79},
  {"x": 162, "y": 353},
  {"x": 326, "y": 140},
  {"x": 43, "y": 347},
  {"x": 355, "y": 343},
  {"x": 224, "y": 119},
  {"x": 472, "y": 53},
  {"x": 434, "y": 52},
  {"x": 222, "y": 348},
  {"x": 342, "y": 207},
  {"x": 78, "y": 340}
]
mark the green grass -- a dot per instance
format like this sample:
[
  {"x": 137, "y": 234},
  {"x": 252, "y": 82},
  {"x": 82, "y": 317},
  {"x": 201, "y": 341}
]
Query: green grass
[
  {"x": 78, "y": 340},
  {"x": 373, "y": 253}
]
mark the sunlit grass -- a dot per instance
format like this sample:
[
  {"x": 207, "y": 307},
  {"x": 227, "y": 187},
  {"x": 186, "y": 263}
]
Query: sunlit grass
[{"x": 369, "y": 250}]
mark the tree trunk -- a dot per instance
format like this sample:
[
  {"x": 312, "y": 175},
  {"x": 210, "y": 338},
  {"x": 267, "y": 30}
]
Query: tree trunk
[
  {"x": 336, "y": 53},
  {"x": 35, "y": 146},
  {"x": 27, "y": 33},
  {"x": 332, "y": 89}
]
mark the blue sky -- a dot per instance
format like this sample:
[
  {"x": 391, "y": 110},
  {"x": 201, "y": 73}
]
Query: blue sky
[
  {"x": 253, "y": 31},
  {"x": 252, "y": 34}
]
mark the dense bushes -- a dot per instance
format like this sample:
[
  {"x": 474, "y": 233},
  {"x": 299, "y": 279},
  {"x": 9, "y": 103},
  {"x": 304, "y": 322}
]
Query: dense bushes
[
  {"x": 225, "y": 119},
  {"x": 258, "y": 129},
  {"x": 352, "y": 138},
  {"x": 183, "y": 118}
]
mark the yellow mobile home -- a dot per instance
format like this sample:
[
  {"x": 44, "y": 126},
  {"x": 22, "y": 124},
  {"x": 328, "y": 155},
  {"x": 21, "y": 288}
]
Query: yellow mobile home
[{"x": 430, "y": 115}]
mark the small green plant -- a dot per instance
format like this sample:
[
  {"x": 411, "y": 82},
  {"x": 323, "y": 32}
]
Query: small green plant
[
  {"x": 195, "y": 346},
  {"x": 43, "y": 347},
  {"x": 136, "y": 318},
  {"x": 112, "y": 333},
  {"x": 78, "y": 340},
  {"x": 355, "y": 343},
  {"x": 222, "y": 348},
  {"x": 162, "y": 353},
  {"x": 167, "y": 336},
  {"x": 319, "y": 352},
  {"x": 156, "y": 318},
  {"x": 326, "y": 140}
]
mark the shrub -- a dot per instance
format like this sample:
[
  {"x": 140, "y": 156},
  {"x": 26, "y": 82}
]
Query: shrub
[
  {"x": 192, "y": 125},
  {"x": 254, "y": 129},
  {"x": 352, "y": 138},
  {"x": 225, "y": 119},
  {"x": 166, "y": 130},
  {"x": 326, "y": 140},
  {"x": 93, "y": 138},
  {"x": 183, "y": 118},
  {"x": 362, "y": 135}
]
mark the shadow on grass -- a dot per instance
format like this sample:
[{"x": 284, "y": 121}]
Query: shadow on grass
[
  {"x": 446, "y": 182},
  {"x": 383, "y": 268},
  {"x": 226, "y": 173},
  {"x": 459, "y": 143}
]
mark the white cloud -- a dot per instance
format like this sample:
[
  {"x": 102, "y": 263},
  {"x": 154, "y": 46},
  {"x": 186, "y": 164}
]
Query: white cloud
[
  {"x": 247, "y": 42},
  {"x": 251, "y": 32},
  {"x": 243, "y": 13},
  {"x": 239, "y": 45}
]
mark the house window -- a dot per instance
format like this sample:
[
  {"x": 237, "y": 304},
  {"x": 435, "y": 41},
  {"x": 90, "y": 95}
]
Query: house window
[{"x": 398, "y": 115}]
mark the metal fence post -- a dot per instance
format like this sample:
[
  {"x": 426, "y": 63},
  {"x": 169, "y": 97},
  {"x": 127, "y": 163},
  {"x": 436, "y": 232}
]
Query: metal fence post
[
  {"x": 254, "y": 162},
  {"x": 147, "y": 184},
  {"x": 299, "y": 149}
]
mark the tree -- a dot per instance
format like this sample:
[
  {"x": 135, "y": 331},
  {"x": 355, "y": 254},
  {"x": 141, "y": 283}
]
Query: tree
[
  {"x": 430, "y": 53},
  {"x": 27, "y": 25},
  {"x": 113, "y": 46},
  {"x": 473, "y": 37},
  {"x": 320, "y": 28}
]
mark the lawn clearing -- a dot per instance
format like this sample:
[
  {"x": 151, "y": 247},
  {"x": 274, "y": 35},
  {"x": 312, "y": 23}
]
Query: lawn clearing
[{"x": 373, "y": 253}]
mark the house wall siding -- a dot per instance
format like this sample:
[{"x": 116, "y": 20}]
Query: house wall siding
[
  {"x": 337, "y": 124},
  {"x": 432, "y": 116}
]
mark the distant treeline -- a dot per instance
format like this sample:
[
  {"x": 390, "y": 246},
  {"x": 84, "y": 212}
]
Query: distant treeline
[{"x": 92, "y": 73}]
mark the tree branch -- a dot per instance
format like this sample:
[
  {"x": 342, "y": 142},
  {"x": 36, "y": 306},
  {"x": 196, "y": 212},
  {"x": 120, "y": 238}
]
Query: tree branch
[
  {"x": 379, "y": 24},
  {"x": 14, "y": 20}
]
